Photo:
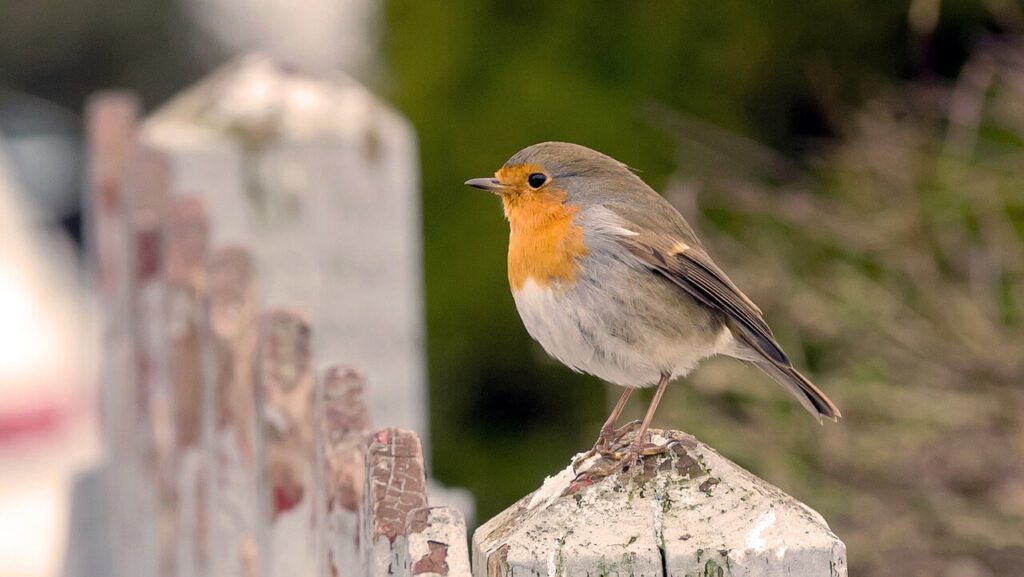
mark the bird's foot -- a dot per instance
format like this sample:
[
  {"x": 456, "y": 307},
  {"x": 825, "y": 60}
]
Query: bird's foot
[
  {"x": 626, "y": 452},
  {"x": 621, "y": 432},
  {"x": 609, "y": 443}
]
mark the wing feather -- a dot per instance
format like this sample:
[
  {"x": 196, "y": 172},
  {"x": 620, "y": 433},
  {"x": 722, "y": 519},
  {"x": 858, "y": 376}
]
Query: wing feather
[
  {"x": 663, "y": 242},
  {"x": 692, "y": 270}
]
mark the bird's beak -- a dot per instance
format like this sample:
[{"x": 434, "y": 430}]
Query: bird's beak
[{"x": 488, "y": 184}]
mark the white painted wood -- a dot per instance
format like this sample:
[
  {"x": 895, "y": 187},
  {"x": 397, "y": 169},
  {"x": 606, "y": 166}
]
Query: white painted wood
[
  {"x": 343, "y": 429},
  {"x": 286, "y": 383},
  {"x": 150, "y": 479},
  {"x": 111, "y": 119},
  {"x": 435, "y": 544},
  {"x": 689, "y": 512},
  {"x": 319, "y": 177},
  {"x": 184, "y": 231},
  {"x": 235, "y": 513}
]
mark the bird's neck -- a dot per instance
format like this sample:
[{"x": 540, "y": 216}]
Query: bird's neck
[{"x": 545, "y": 242}]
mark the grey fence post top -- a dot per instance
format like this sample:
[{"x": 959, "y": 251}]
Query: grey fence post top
[{"x": 689, "y": 512}]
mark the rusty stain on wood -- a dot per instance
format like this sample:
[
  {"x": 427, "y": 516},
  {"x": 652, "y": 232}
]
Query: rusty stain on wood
[
  {"x": 111, "y": 125},
  {"x": 145, "y": 190},
  {"x": 111, "y": 120},
  {"x": 287, "y": 381},
  {"x": 433, "y": 562},
  {"x": 497, "y": 562},
  {"x": 346, "y": 424},
  {"x": 395, "y": 485},
  {"x": 397, "y": 482},
  {"x": 434, "y": 543},
  {"x": 185, "y": 238},
  {"x": 344, "y": 427},
  {"x": 234, "y": 323}
]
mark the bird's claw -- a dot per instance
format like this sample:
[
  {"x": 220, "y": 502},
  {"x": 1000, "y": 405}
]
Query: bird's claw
[
  {"x": 622, "y": 457},
  {"x": 609, "y": 444}
]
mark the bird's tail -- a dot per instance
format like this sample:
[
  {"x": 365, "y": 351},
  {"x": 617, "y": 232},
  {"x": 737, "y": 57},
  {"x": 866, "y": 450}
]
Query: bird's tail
[{"x": 810, "y": 396}]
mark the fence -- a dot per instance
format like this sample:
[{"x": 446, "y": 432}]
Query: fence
[{"x": 238, "y": 448}]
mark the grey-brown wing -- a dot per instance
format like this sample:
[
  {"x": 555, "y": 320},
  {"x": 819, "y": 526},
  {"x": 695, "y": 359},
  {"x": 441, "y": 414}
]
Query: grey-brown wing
[
  {"x": 691, "y": 269},
  {"x": 646, "y": 210}
]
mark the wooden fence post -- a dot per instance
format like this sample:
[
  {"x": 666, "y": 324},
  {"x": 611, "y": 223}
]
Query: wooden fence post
[
  {"x": 256, "y": 190},
  {"x": 111, "y": 119},
  {"x": 689, "y": 511},
  {"x": 185, "y": 232},
  {"x": 395, "y": 485},
  {"x": 235, "y": 509},
  {"x": 150, "y": 482},
  {"x": 435, "y": 543},
  {"x": 343, "y": 430},
  {"x": 286, "y": 383},
  {"x": 319, "y": 178}
]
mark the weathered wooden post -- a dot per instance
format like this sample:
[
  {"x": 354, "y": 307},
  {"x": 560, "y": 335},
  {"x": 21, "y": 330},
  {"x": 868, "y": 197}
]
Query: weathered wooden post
[
  {"x": 235, "y": 508},
  {"x": 169, "y": 404},
  {"x": 150, "y": 482},
  {"x": 150, "y": 247},
  {"x": 688, "y": 512},
  {"x": 185, "y": 232},
  {"x": 343, "y": 431},
  {"x": 394, "y": 486},
  {"x": 435, "y": 543},
  {"x": 286, "y": 383},
  {"x": 261, "y": 189},
  {"x": 319, "y": 178},
  {"x": 111, "y": 119}
]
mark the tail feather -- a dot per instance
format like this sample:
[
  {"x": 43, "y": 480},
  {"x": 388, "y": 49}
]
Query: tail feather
[{"x": 810, "y": 396}]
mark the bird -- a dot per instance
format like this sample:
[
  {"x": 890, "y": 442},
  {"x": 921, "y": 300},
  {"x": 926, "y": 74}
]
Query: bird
[{"x": 612, "y": 281}]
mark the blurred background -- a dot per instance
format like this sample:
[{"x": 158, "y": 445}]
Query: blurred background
[{"x": 857, "y": 167}]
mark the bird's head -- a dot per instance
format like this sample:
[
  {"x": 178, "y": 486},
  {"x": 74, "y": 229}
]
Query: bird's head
[{"x": 555, "y": 173}]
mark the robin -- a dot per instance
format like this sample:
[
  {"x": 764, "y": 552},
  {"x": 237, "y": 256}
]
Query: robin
[{"x": 611, "y": 280}]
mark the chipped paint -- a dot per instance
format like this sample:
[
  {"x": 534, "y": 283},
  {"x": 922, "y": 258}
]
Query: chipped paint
[
  {"x": 755, "y": 539},
  {"x": 552, "y": 488}
]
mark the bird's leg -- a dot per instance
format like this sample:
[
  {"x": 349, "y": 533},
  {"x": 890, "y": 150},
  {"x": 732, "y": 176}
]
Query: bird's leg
[
  {"x": 608, "y": 432},
  {"x": 636, "y": 449},
  {"x": 613, "y": 461}
]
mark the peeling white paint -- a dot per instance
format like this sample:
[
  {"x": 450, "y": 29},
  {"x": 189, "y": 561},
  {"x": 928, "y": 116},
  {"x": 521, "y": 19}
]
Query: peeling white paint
[
  {"x": 445, "y": 525},
  {"x": 552, "y": 488},
  {"x": 755, "y": 539}
]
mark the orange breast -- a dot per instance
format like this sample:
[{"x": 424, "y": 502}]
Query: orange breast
[{"x": 544, "y": 243}]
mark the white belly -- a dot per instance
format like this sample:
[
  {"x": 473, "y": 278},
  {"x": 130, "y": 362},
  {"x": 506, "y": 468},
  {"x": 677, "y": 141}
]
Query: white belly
[{"x": 589, "y": 330}]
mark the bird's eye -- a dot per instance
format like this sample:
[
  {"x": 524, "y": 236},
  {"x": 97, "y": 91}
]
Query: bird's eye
[{"x": 537, "y": 180}]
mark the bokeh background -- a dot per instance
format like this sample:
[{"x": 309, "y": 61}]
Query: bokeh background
[{"x": 857, "y": 167}]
